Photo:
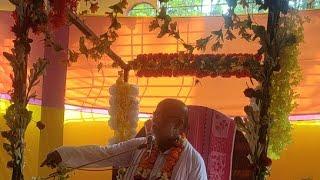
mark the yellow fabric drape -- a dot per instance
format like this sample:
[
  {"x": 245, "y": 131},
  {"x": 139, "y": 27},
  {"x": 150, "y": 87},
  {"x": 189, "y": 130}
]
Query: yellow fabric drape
[{"x": 32, "y": 144}]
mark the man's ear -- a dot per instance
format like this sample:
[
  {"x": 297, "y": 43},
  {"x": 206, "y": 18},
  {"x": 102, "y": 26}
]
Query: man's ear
[
  {"x": 178, "y": 130},
  {"x": 175, "y": 129},
  {"x": 180, "y": 126}
]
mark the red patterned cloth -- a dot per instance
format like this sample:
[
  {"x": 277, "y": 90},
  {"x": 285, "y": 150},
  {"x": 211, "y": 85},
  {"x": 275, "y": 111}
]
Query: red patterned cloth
[{"x": 212, "y": 134}]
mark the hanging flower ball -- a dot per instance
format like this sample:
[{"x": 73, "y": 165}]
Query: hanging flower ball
[
  {"x": 267, "y": 162},
  {"x": 58, "y": 13},
  {"x": 40, "y": 125},
  {"x": 4, "y": 134},
  {"x": 238, "y": 120},
  {"x": 248, "y": 110},
  {"x": 10, "y": 164},
  {"x": 258, "y": 57},
  {"x": 249, "y": 92},
  {"x": 8, "y": 134}
]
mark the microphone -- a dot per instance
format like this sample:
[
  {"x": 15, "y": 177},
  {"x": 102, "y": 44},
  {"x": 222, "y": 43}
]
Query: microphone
[
  {"x": 149, "y": 135},
  {"x": 150, "y": 142}
]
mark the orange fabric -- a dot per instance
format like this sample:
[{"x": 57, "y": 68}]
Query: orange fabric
[
  {"x": 222, "y": 94},
  {"x": 87, "y": 87}
]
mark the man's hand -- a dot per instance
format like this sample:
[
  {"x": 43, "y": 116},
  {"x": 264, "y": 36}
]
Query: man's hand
[{"x": 52, "y": 160}]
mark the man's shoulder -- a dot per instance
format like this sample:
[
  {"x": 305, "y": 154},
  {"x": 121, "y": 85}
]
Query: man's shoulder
[
  {"x": 193, "y": 153},
  {"x": 195, "y": 162}
]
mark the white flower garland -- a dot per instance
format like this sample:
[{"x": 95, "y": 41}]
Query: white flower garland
[{"x": 124, "y": 110}]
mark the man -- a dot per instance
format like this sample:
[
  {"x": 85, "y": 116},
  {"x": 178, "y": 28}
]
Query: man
[{"x": 172, "y": 156}]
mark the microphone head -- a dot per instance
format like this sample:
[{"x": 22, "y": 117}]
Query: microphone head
[
  {"x": 148, "y": 145},
  {"x": 150, "y": 138},
  {"x": 150, "y": 141}
]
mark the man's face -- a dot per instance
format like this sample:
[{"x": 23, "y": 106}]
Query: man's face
[
  {"x": 168, "y": 120},
  {"x": 166, "y": 126},
  {"x": 162, "y": 128}
]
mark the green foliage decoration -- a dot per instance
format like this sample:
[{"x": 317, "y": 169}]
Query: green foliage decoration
[{"x": 284, "y": 82}]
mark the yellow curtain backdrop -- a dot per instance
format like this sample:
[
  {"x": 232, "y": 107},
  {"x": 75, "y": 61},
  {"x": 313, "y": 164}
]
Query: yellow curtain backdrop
[
  {"x": 301, "y": 159},
  {"x": 32, "y": 146}
]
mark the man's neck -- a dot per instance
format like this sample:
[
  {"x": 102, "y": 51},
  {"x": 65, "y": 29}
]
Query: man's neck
[{"x": 163, "y": 147}]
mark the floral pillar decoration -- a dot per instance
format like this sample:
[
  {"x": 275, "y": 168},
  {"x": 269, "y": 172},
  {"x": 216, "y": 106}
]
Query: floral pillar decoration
[
  {"x": 124, "y": 110},
  {"x": 36, "y": 16}
]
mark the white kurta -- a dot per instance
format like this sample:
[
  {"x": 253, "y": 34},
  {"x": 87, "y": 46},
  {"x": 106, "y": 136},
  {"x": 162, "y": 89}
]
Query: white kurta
[{"x": 190, "y": 165}]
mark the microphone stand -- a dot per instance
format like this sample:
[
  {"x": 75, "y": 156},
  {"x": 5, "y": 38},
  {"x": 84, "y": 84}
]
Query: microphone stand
[{"x": 53, "y": 175}]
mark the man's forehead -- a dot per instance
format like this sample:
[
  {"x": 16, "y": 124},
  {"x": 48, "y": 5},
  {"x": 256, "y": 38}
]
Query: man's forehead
[
  {"x": 170, "y": 110},
  {"x": 171, "y": 106}
]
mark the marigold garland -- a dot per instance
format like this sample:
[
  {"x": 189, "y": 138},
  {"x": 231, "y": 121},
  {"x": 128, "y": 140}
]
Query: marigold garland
[
  {"x": 147, "y": 162},
  {"x": 199, "y": 65}
]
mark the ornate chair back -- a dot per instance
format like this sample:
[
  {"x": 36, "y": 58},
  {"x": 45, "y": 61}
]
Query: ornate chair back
[{"x": 212, "y": 134}]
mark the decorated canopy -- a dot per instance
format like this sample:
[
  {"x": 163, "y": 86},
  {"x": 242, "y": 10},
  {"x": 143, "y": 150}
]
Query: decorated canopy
[{"x": 86, "y": 87}]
